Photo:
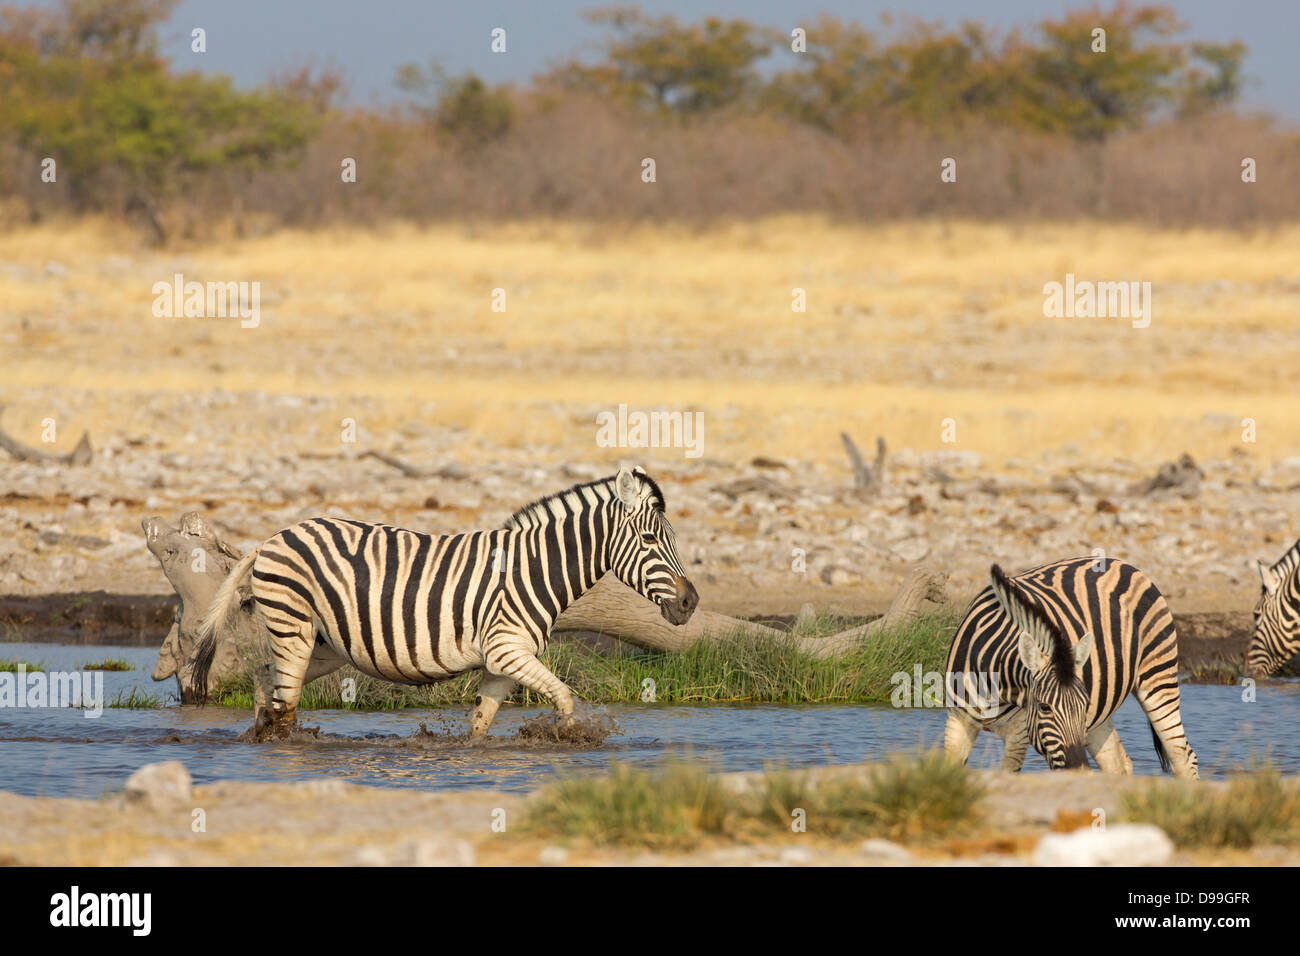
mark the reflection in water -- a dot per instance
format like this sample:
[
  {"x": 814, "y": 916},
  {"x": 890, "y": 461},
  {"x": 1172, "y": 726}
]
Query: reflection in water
[{"x": 60, "y": 752}]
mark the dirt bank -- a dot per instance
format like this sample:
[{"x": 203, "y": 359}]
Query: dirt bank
[
  {"x": 331, "y": 822},
  {"x": 1211, "y": 642}
]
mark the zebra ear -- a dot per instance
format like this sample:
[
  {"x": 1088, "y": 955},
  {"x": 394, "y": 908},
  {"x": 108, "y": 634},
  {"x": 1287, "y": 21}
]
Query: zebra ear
[
  {"x": 1267, "y": 577},
  {"x": 1082, "y": 650},
  {"x": 628, "y": 488},
  {"x": 1030, "y": 653}
]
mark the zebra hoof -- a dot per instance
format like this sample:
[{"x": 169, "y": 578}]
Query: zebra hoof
[{"x": 269, "y": 717}]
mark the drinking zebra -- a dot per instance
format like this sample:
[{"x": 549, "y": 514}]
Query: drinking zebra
[
  {"x": 1061, "y": 646},
  {"x": 1277, "y": 616},
  {"x": 418, "y": 608}
]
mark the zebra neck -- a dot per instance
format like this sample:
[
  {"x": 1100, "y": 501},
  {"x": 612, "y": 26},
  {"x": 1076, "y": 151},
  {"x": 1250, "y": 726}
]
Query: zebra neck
[{"x": 564, "y": 557}]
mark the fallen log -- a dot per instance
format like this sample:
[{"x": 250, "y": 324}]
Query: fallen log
[
  {"x": 612, "y": 608},
  {"x": 196, "y": 561},
  {"x": 453, "y": 472},
  {"x": 80, "y": 455}
]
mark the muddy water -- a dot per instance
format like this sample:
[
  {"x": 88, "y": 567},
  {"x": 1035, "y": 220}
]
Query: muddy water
[{"x": 63, "y": 752}]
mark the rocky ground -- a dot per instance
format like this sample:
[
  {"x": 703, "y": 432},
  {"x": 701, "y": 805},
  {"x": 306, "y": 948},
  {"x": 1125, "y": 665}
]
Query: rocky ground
[
  {"x": 761, "y": 536},
  {"x": 160, "y": 820}
]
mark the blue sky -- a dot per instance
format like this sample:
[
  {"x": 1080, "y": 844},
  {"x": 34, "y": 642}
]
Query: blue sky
[{"x": 251, "y": 39}]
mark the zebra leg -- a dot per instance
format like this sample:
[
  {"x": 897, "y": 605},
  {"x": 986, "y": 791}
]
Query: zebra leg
[
  {"x": 492, "y": 690},
  {"x": 1107, "y": 749},
  {"x": 291, "y": 656},
  {"x": 511, "y": 657},
  {"x": 1160, "y": 702},
  {"x": 324, "y": 660},
  {"x": 959, "y": 735},
  {"x": 1014, "y": 731}
]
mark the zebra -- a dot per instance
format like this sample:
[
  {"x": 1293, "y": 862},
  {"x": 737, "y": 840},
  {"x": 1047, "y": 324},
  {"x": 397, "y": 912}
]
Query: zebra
[
  {"x": 418, "y": 608},
  {"x": 1060, "y": 647},
  {"x": 1277, "y": 616}
]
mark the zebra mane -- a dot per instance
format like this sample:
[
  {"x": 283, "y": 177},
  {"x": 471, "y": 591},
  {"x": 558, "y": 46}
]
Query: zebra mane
[
  {"x": 541, "y": 508},
  {"x": 1288, "y": 562},
  {"x": 1062, "y": 651}
]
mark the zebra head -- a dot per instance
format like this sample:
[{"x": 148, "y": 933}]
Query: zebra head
[
  {"x": 642, "y": 548},
  {"x": 1056, "y": 700},
  {"x": 1277, "y": 616}
]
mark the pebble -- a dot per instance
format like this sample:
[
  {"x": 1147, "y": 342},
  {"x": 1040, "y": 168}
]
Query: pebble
[
  {"x": 1121, "y": 844},
  {"x": 159, "y": 784}
]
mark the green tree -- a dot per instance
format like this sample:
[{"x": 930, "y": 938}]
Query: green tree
[
  {"x": 86, "y": 86},
  {"x": 465, "y": 109},
  {"x": 1213, "y": 78},
  {"x": 926, "y": 73},
  {"x": 1053, "y": 81},
  {"x": 660, "y": 63}
]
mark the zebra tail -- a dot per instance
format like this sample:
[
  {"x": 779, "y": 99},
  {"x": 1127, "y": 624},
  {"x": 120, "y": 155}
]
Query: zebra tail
[
  {"x": 223, "y": 605},
  {"x": 1160, "y": 749}
]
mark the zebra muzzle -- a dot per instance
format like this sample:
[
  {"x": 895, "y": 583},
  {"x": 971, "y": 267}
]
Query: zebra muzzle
[
  {"x": 1076, "y": 757},
  {"x": 685, "y": 600}
]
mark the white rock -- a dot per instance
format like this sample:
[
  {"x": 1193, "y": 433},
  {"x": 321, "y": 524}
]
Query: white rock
[
  {"x": 553, "y": 856},
  {"x": 884, "y": 851},
  {"x": 1121, "y": 844},
  {"x": 797, "y": 856},
  {"x": 159, "y": 784},
  {"x": 438, "y": 852},
  {"x": 838, "y": 577}
]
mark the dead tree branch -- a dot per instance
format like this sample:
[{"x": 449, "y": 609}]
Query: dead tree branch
[{"x": 80, "y": 455}]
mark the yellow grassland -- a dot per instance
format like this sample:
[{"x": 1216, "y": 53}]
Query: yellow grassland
[{"x": 906, "y": 325}]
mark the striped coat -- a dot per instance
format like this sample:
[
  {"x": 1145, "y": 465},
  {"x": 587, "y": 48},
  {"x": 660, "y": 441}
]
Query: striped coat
[
  {"x": 1063, "y": 645},
  {"x": 417, "y": 608},
  {"x": 1276, "y": 637}
]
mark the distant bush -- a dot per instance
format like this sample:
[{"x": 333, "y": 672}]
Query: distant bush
[
  {"x": 87, "y": 88},
  {"x": 463, "y": 108},
  {"x": 1040, "y": 126}
]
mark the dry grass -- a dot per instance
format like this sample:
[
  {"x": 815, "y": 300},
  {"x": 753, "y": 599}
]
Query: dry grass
[
  {"x": 914, "y": 797},
  {"x": 907, "y": 324},
  {"x": 1255, "y": 809}
]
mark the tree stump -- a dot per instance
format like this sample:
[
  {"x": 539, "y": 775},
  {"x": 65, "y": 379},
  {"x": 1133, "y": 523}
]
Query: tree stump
[{"x": 195, "y": 562}]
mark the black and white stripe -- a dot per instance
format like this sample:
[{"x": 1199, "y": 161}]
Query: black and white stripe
[
  {"x": 1277, "y": 615},
  {"x": 418, "y": 608},
  {"x": 1064, "y": 644}
]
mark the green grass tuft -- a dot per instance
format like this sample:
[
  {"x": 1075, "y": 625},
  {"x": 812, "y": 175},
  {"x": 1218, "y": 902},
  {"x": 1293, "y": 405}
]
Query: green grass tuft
[
  {"x": 135, "y": 699},
  {"x": 739, "y": 668},
  {"x": 909, "y": 797},
  {"x": 1253, "y": 809},
  {"x": 13, "y": 663},
  {"x": 108, "y": 664},
  {"x": 667, "y": 810}
]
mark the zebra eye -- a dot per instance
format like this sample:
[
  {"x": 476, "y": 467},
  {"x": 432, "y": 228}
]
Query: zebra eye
[
  {"x": 1045, "y": 708},
  {"x": 649, "y": 539}
]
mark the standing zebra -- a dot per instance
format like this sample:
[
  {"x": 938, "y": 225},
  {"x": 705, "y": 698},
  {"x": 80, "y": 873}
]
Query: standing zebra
[
  {"x": 1277, "y": 616},
  {"x": 418, "y": 608},
  {"x": 1063, "y": 645}
]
